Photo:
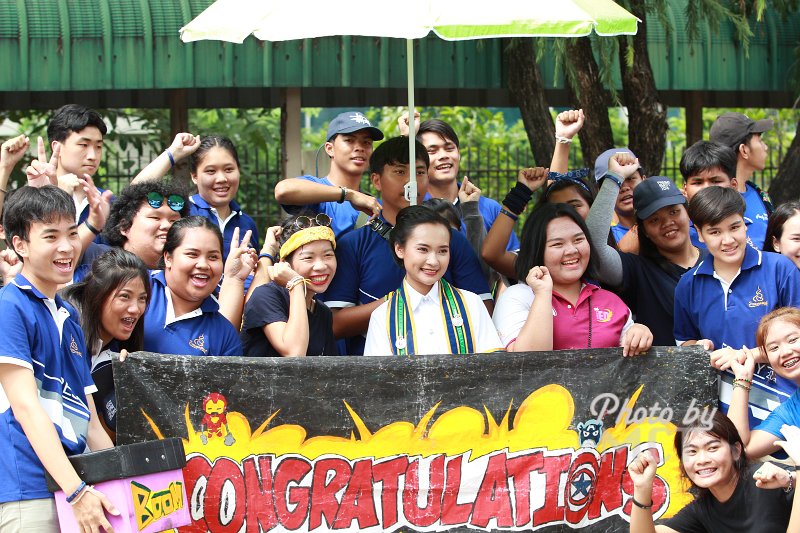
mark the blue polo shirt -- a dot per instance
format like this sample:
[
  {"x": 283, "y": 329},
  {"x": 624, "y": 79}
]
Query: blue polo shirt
[
  {"x": 366, "y": 272},
  {"x": 343, "y": 216},
  {"x": 489, "y": 210},
  {"x": 703, "y": 310},
  {"x": 237, "y": 219},
  {"x": 756, "y": 216},
  {"x": 202, "y": 332},
  {"x": 43, "y": 336}
]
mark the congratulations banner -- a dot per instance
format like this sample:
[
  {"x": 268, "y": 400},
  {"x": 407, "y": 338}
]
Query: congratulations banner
[{"x": 500, "y": 442}]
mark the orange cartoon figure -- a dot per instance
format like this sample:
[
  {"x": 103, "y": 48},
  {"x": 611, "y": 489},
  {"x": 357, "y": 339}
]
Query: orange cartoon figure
[{"x": 215, "y": 422}]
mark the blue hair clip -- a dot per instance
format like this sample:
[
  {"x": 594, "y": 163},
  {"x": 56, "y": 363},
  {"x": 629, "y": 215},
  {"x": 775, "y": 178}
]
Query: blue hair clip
[{"x": 573, "y": 176}]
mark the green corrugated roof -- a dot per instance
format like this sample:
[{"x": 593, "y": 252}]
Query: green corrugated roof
[{"x": 65, "y": 45}]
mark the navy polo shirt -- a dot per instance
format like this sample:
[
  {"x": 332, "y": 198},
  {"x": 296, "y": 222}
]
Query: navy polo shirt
[
  {"x": 756, "y": 216},
  {"x": 199, "y": 207},
  {"x": 343, "y": 216},
  {"x": 648, "y": 288},
  {"x": 49, "y": 342},
  {"x": 205, "y": 332},
  {"x": 489, "y": 210},
  {"x": 704, "y": 311},
  {"x": 367, "y": 272}
]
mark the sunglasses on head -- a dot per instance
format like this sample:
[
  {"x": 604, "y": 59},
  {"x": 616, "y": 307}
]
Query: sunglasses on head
[
  {"x": 174, "y": 201},
  {"x": 304, "y": 222}
]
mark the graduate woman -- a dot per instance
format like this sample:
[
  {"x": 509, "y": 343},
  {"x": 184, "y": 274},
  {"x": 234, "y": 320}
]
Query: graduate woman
[{"x": 427, "y": 315}]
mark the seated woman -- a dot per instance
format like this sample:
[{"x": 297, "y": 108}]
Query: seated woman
[
  {"x": 557, "y": 308},
  {"x": 283, "y": 317},
  {"x": 426, "y": 315},
  {"x": 111, "y": 301},
  {"x": 783, "y": 231},
  {"x": 730, "y": 495},
  {"x": 183, "y": 317}
]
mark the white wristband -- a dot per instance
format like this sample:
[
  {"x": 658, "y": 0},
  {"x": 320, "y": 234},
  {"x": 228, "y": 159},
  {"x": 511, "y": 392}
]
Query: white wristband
[{"x": 563, "y": 140}]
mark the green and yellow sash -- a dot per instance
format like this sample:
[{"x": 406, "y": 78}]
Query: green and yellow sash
[{"x": 457, "y": 322}]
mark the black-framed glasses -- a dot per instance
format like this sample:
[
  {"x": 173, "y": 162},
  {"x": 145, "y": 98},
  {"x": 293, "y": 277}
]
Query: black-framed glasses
[
  {"x": 176, "y": 202},
  {"x": 304, "y": 222}
]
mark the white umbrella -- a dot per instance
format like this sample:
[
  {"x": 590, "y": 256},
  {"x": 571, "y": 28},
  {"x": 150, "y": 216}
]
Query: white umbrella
[{"x": 282, "y": 20}]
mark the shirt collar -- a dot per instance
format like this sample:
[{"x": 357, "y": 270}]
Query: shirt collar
[
  {"x": 198, "y": 200},
  {"x": 752, "y": 259},
  {"x": 587, "y": 289},
  {"x": 415, "y": 299},
  {"x": 21, "y": 282}
]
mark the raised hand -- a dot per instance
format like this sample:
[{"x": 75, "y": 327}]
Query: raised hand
[
  {"x": 271, "y": 241},
  {"x": 242, "y": 259},
  {"x": 643, "y": 469},
  {"x": 42, "y": 172},
  {"x": 623, "y": 164},
  {"x": 184, "y": 145},
  {"x": 569, "y": 123},
  {"x": 533, "y": 178},
  {"x": 99, "y": 203},
  {"x": 539, "y": 280},
  {"x": 402, "y": 123},
  {"x": 740, "y": 362},
  {"x": 468, "y": 192},
  {"x": 637, "y": 340},
  {"x": 281, "y": 273},
  {"x": 13, "y": 150},
  {"x": 10, "y": 265},
  {"x": 770, "y": 476}
]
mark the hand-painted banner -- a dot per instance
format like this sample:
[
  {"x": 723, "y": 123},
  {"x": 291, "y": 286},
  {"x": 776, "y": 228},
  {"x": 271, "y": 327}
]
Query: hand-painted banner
[{"x": 500, "y": 442}]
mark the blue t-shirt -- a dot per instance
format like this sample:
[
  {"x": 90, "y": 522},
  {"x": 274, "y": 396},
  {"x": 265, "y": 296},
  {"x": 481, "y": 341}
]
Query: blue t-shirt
[
  {"x": 618, "y": 231},
  {"x": 51, "y": 345},
  {"x": 755, "y": 216},
  {"x": 366, "y": 272},
  {"x": 489, "y": 210},
  {"x": 704, "y": 311},
  {"x": 199, "y": 207},
  {"x": 206, "y": 332},
  {"x": 786, "y": 413},
  {"x": 343, "y": 216}
]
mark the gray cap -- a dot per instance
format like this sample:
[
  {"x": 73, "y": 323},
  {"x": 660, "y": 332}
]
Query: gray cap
[
  {"x": 654, "y": 193},
  {"x": 731, "y": 128},
  {"x": 352, "y": 121}
]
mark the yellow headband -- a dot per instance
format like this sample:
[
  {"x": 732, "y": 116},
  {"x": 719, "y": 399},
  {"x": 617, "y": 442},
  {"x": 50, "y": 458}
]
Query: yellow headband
[{"x": 305, "y": 236}]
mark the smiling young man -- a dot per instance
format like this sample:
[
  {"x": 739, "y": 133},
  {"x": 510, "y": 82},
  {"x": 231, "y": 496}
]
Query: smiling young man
[
  {"x": 349, "y": 146},
  {"x": 47, "y": 411},
  {"x": 718, "y": 304},
  {"x": 366, "y": 270}
]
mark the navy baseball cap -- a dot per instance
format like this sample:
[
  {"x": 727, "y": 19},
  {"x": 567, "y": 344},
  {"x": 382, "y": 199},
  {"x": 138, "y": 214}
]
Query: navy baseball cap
[
  {"x": 601, "y": 163},
  {"x": 352, "y": 121},
  {"x": 654, "y": 193},
  {"x": 731, "y": 128}
]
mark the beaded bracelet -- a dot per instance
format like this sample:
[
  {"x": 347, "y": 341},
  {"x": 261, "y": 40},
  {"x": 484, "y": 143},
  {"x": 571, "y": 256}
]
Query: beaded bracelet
[
  {"x": 292, "y": 283},
  {"x": 741, "y": 386}
]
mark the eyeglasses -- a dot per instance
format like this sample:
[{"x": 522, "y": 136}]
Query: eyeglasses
[
  {"x": 174, "y": 201},
  {"x": 304, "y": 222}
]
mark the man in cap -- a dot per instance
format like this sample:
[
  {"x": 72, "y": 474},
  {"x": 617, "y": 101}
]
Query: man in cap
[
  {"x": 743, "y": 135},
  {"x": 349, "y": 146}
]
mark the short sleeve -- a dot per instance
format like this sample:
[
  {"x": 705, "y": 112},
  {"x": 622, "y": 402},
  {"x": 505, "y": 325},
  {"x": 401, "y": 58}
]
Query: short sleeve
[
  {"x": 777, "y": 418},
  {"x": 684, "y": 328},
  {"x": 626, "y": 327},
  {"x": 511, "y": 312},
  {"x": 232, "y": 345},
  {"x": 266, "y": 305},
  {"x": 687, "y": 520},
  {"x": 343, "y": 290},
  {"x": 15, "y": 347},
  {"x": 465, "y": 269},
  {"x": 294, "y": 209},
  {"x": 377, "y": 338},
  {"x": 486, "y": 338},
  {"x": 789, "y": 282}
]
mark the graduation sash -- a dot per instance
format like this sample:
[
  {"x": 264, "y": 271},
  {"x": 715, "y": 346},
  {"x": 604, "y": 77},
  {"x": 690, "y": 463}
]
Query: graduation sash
[{"x": 457, "y": 323}]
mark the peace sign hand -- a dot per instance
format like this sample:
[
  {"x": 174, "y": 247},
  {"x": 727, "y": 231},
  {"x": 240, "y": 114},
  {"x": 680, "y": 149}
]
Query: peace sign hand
[
  {"x": 42, "y": 172},
  {"x": 242, "y": 259}
]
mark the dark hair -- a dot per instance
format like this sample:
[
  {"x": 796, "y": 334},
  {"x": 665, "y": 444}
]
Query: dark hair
[
  {"x": 394, "y": 151},
  {"x": 289, "y": 228},
  {"x": 714, "y": 204},
  {"x": 73, "y": 117},
  {"x": 587, "y": 194},
  {"x": 445, "y": 209},
  {"x": 534, "y": 237},
  {"x": 440, "y": 128},
  {"x": 177, "y": 232},
  {"x": 206, "y": 144},
  {"x": 722, "y": 428},
  {"x": 29, "y": 205},
  {"x": 647, "y": 247},
  {"x": 705, "y": 155},
  {"x": 777, "y": 219},
  {"x": 409, "y": 218},
  {"x": 130, "y": 200},
  {"x": 109, "y": 273}
]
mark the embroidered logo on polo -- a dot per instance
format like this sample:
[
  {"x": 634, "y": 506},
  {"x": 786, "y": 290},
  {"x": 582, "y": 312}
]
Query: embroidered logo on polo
[
  {"x": 603, "y": 315},
  {"x": 757, "y": 299},
  {"x": 199, "y": 343},
  {"x": 73, "y": 347}
]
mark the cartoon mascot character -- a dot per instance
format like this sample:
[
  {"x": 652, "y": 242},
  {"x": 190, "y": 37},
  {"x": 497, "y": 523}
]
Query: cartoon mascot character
[{"x": 215, "y": 421}]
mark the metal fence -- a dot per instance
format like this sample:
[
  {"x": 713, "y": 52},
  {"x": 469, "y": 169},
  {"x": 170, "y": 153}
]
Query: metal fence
[{"x": 493, "y": 170}]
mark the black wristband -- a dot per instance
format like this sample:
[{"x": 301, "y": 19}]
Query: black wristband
[
  {"x": 343, "y": 196},
  {"x": 641, "y": 505},
  {"x": 91, "y": 228},
  {"x": 517, "y": 198}
]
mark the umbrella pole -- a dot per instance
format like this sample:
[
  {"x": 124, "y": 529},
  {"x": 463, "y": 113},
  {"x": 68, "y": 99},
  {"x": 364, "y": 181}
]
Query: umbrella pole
[{"x": 411, "y": 186}]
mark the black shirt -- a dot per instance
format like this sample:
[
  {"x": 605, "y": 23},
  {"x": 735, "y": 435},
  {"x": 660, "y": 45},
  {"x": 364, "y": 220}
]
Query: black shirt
[
  {"x": 270, "y": 303},
  {"x": 649, "y": 290},
  {"x": 749, "y": 510}
]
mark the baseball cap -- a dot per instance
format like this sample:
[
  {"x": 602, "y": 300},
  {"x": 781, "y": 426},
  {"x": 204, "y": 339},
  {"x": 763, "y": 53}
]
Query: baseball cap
[
  {"x": 351, "y": 121},
  {"x": 601, "y": 163},
  {"x": 654, "y": 193},
  {"x": 731, "y": 128}
]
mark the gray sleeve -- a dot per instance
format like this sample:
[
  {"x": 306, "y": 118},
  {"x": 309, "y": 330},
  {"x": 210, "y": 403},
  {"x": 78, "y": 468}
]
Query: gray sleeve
[
  {"x": 476, "y": 230},
  {"x": 608, "y": 262}
]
